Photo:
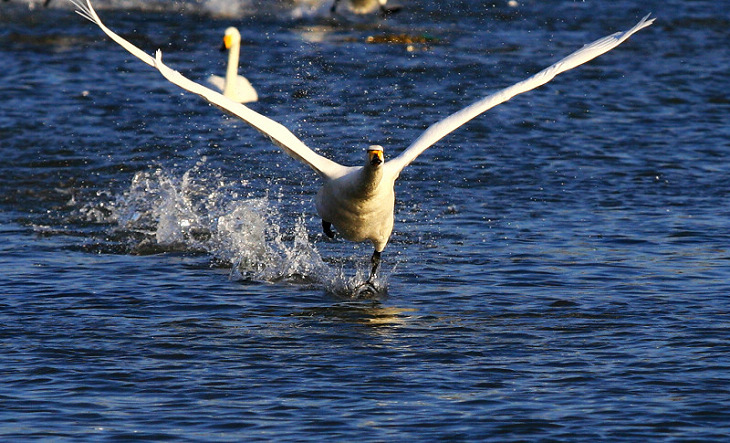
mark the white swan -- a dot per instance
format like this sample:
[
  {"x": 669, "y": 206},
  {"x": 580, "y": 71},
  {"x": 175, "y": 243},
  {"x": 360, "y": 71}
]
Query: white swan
[
  {"x": 234, "y": 86},
  {"x": 359, "y": 200}
]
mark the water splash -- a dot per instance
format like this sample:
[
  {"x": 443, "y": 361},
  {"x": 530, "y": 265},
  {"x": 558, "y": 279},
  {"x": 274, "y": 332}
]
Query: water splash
[{"x": 203, "y": 211}]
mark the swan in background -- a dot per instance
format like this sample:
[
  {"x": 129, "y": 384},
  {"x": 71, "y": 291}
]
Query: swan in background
[
  {"x": 359, "y": 200},
  {"x": 30, "y": 5},
  {"x": 367, "y": 6},
  {"x": 234, "y": 86}
]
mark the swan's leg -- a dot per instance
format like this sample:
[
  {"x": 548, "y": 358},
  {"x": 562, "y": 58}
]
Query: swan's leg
[
  {"x": 385, "y": 11},
  {"x": 375, "y": 260},
  {"x": 327, "y": 228},
  {"x": 333, "y": 9}
]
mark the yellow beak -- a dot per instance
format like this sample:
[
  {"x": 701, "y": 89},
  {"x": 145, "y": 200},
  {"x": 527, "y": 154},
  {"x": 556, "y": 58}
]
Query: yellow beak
[
  {"x": 376, "y": 157},
  {"x": 227, "y": 41}
]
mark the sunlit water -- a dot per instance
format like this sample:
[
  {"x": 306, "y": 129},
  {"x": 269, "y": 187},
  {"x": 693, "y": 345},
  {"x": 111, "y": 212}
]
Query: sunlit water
[{"x": 558, "y": 270}]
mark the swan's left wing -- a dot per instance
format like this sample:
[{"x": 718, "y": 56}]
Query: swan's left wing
[
  {"x": 278, "y": 134},
  {"x": 444, "y": 127}
]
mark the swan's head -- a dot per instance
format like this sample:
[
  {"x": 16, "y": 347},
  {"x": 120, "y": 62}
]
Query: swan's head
[
  {"x": 375, "y": 155},
  {"x": 230, "y": 38}
]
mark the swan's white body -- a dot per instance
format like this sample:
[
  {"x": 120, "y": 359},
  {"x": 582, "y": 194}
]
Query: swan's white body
[
  {"x": 359, "y": 200},
  {"x": 234, "y": 86}
]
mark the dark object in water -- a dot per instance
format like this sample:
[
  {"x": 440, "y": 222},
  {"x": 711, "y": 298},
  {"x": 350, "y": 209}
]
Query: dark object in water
[
  {"x": 365, "y": 6},
  {"x": 401, "y": 39}
]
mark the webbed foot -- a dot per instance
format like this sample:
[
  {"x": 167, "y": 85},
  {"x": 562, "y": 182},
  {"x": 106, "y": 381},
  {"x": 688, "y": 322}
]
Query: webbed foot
[
  {"x": 327, "y": 228},
  {"x": 365, "y": 289},
  {"x": 387, "y": 11}
]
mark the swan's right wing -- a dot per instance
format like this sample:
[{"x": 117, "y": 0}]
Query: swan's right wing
[
  {"x": 278, "y": 134},
  {"x": 444, "y": 127}
]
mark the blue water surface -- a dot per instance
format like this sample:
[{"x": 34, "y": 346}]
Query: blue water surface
[{"x": 559, "y": 268}]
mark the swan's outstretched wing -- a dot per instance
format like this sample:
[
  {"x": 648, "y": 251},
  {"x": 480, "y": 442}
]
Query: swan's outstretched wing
[
  {"x": 444, "y": 127},
  {"x": 278, "y": 134}
]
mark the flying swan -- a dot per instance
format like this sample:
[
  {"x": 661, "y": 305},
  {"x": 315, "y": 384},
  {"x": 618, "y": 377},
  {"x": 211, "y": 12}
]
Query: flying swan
[
  {"x": 359, "y": 200},
  {"x": 234, "y": 86}
]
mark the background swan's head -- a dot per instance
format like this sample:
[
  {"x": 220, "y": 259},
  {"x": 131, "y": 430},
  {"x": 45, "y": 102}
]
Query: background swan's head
[
  {"x": 375, "y": 155},
  {"x": 230, "y": 38}
]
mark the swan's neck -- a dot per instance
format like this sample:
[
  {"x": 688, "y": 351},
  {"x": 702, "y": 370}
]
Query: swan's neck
[
  {"x": 370, "y": 179},
  {"x": 232, "y": 69}
]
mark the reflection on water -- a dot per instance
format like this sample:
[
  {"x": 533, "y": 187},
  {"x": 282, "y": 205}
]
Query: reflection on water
[{"x": 360, "y": 312}]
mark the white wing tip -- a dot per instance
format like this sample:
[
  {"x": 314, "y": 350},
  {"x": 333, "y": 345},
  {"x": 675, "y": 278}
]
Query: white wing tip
[
  {"x": 85, "y": 11},
  {"x": 646, "y": 21},
  {"x": 643, "y": 23},
  {"x": 620, "y": 37}
]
